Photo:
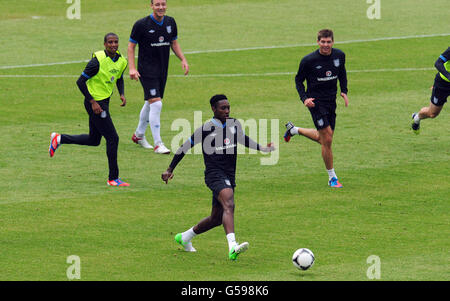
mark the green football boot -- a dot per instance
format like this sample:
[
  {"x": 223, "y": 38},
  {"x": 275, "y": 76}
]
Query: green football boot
[
  {"x": 237, "y": 249},
  {"x": 186, "y": 245}
]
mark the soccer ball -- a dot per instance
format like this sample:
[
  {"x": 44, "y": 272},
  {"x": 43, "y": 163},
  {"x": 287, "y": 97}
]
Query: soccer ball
[{"x": 303, "y": 259}]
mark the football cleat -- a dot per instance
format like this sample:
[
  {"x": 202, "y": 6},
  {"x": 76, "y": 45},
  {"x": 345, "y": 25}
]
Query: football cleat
[
  {"x": 415, "y": 126},
  {"x": 55, "y": 142},
  {"x": 287, "y": 135},
  {"x": 237, "y": 249},
  {"x": 334, "y": 183},
  {"x": 161, "y": 149},
  {"x": 186, "y": 245},
  {"x": 117, "y": 182},
  {"x": 141, "y": 141}
]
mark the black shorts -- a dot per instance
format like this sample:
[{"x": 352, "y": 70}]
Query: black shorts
[
  {"x": 324, "y": 114},
  {"x": 153, "y": 87},
  {"x": 439, "y": 95},
  {"x": 217, "y": 181}
]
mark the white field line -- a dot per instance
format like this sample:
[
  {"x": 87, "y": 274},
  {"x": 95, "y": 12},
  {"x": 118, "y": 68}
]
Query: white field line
[
  {"x": 228, "y": 75},
  {"x": 249, "y": 48}
]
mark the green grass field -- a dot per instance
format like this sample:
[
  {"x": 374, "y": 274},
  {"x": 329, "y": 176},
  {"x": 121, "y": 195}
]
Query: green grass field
[{"x": 395, "y": 202}]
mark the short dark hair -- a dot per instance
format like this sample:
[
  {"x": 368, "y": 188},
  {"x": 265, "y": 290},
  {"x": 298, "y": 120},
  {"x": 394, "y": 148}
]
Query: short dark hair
[
  {"x": 325, "y": 33},
  {"x": 216, "y": 98},
  {"x": 108, "y": 35}
]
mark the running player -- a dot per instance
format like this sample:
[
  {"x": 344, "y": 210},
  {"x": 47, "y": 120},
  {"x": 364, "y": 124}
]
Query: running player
[
  {"x": 321, "y": 69},
  {"x": 219, "y": 137},
  {"x": 441, "y": 91}
]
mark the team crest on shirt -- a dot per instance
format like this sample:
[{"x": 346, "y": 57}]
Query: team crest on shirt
[
  {"x": 161, "y": 39},
  {"x": 226, "y": 141},
  {"x": 336, "y": 62},
  {"x": 169, "y": 29},
  {"x": 328, "y": 73}
]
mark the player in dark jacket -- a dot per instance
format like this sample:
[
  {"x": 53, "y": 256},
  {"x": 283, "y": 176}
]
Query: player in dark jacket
[
  {"x": 321, "y": 69},
  {"x": 219, "y": 138}
]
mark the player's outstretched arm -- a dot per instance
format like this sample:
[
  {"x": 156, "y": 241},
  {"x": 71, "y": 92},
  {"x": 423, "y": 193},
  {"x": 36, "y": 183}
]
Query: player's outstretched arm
[{"x": 269, "y": 148}]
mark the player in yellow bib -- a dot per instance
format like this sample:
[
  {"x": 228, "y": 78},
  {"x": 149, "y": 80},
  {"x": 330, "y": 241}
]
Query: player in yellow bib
[
  {"x": 102, "y": 73},
  {"x": 441, "y": 91}
]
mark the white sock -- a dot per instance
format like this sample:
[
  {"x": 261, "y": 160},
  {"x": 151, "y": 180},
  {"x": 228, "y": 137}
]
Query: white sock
[
  {"x": 331, "y": 174},
  {"x": 416, "y": 118},
  {"x": 294, "y": 131},
  {"x": 143, "y": 119},
  {"x": 231, "y": 240},
  {"x": 154, "y": 117},
  {"x": 188, "y": 235}
]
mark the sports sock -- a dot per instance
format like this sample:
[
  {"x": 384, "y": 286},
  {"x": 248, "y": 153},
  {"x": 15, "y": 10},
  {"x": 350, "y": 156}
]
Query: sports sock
[
  {"x": 154, "y": 117},
  {"x": 294, "y": 131},
  {"x": 231, "y": 240},
  {"x": 188, "y": 235},
  {"x": 143, "y": 120},
  {"x": 331, "y": 174},
  {"x": 416, "y": 118}
]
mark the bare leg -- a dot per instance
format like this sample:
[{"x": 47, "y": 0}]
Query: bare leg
[
  {"x": 431, "y": 111},
  {"x": 326, "y": 139},
  {"x": 212, "y": 221},
  {"x": 312, "y": 134},
  {"x": 226, "y": 198}
]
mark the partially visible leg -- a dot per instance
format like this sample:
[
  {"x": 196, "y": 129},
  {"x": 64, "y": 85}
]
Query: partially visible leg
[
  {"x": 143, "y": 120},
  {"x": 326, "y": 140},
  {"x": 312, "y": 134},
  {"x": 226, "y": 198},
  {"x": 106, "y": 128},
  {"x": 154, "y": 118},
  {"x": 432, "y": 111},
  {"x": 292, "y": 130},
  {"x": 214, "y": 220},
  {"x": 438, "y": 99},
  {"x": 93, "y": 139}
]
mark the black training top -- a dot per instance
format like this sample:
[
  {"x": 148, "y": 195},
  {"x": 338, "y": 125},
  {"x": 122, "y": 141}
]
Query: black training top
[
  {"x": 154, "y": 39},
  {"x": 321, "y": 73},
  {"x": 219, "y": 145},
  {"x": 443, "y": 58}
]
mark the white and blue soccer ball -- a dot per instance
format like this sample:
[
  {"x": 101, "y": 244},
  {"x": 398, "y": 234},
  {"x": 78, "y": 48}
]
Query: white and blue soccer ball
[{"x": 303, "y": 259}]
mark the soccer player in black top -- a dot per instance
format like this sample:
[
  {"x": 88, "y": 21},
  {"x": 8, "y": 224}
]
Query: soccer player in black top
[
  {"x": 441, "y": 91},
  {"x": 156, "y": 35},
  {"x": 321, "y": 69},
  {"x": 219, "y": 137}
]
